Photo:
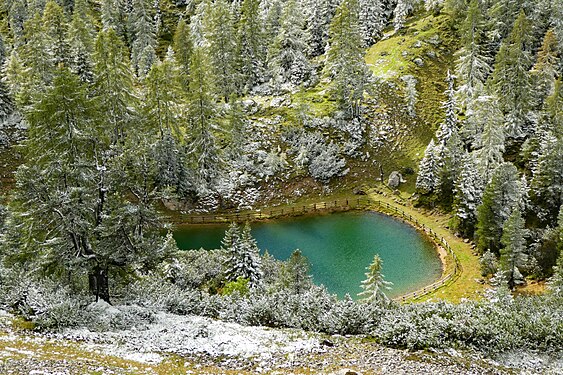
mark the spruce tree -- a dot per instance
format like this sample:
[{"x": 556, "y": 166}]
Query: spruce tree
[
  {"x": 251, "y": 44},
  {"x": 500, "y": 198},
  {"x": 427, "y": 178},
  {"x": 320, "y": 15},
  {"x": 472, "y": 66},
  {"x": 467, "y": 196},
  {"x": 490, "y": 153},
  {"x": 55, "y": 32},
  {"x": 6, "y": 102},
  {"x": 143, "y": 53},
  {"x": 345, "y": 59},
  {"x": 512, "y": 255},
  {"x": 372, "y": 20},
  {"x": 374, "y": 284},
  {"x": 450, "y": 124},
  {"x": 287, "y": 55}
]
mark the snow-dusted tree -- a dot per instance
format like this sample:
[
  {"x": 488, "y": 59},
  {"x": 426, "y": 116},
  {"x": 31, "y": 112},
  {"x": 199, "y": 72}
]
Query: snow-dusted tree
[
  {"x": 327, "y": 164},
  {"x": 468, "y": 193},
  {"x": 287, "y": 59},
  {"x": 501, "y": 18},
  {"x": 402, "y": 10},
  {"x": 490, "y": 153},
  {"x": 163, "y": 100},
  {"x": 272, "y": 15},
  {"x": 295, "y": 273},
  {"x": 143, "y": 53},
  {"x": 472, "y": 66},
  {"x": 500, "y": 293},
  {"x": 345, "y": 62},
  {"x": 55, "y": 32},
  {"x": 113, "y": 15},
  {"x": 243, "y": 255},
  {"x": 113, "y": 83},
  {"x": 452, "y": 158},
  {"x": 547, "y": 181},
  {"x": 427, "y": 178},
  {"x": 320, "y": 13},
  {"x": 555, "y": 283},
  {"x": 450, "y": 123},
  {"x": 17, "y": 78},
  {"x": 6, "y": 102},
  {"x": 202, "y": 121},
  {"x": 488, "y": 263},
  {"x": 513, "y": 255},
  {"x": 37, "y": 54},
  {"x": 251, "y": 45},
  {"x": 18, "y": 14},
  {"x": 500, "y": 198},
  {"x": 557, "y": 24},
  {"x": 511, "y": 78},
  {"x": 183, "y": 49},
  {"x": 81, "y": 42},
  {"x": 219, "y": 33},
  {"x": 411, "y": 94},
  {"x": 373, "y": 19},
  {"x": 374, "y": 285},
  {"x": 544, "y": 72}
]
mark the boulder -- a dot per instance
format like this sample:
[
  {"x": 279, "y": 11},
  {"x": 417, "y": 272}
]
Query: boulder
[{"x": 395, "y": 179}]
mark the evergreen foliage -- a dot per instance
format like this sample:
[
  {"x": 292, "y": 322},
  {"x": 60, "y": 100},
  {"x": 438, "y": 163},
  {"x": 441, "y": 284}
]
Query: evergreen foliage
[{"x": 374, "y": 284}]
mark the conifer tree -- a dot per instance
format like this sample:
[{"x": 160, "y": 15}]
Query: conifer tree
[
  {"x": 202, "y": 120},
  {"x": 164, "y": 100},
  {"x": 143, "y": 53},
  {"x": 500, "y": 198},
  {"x": 37, "y": 54},
  {"x": 318, "y": 21},
  {"x": 288, "y": 61},
  {"x": 113, "y": 84},
  {"x": 296, "y": 273},
  {"x": 468, "y": 193},
  {"x": 6, "y": 102},
  {"x": 427, "y": 179},
  {"x": 547, "y": 180},
  {"x": 512, "y": 255},
  {"x": 345, "y": 59},
  {"x": 449, "y": 126},
  {"x": 183, "y": 50},
  {"x": 55, "y": 32},
  {"x": 244, "y": 258},
  {"x": 490, "y": 154},
  {"x": 251, "y": 44},
  {"x": 402, "y": 10},
  {"x": 220, "y": 29},
  {"x": 81, "y": 42},
  {"x": 472, "y": 67},
  {"x": 18, "y": 14},
  {"x": 374, "y": 284},
  {"x": 511, "y": 78},
  {"x": 372, "y": 20},
  {"x": 545, "y": 70}
]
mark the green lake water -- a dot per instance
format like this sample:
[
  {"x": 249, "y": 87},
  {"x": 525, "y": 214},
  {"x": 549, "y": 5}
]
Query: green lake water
[{"x": 339, "y": 248}]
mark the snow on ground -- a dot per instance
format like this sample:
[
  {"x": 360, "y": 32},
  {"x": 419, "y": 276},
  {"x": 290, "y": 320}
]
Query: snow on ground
[{"x": 186, "y": 335}]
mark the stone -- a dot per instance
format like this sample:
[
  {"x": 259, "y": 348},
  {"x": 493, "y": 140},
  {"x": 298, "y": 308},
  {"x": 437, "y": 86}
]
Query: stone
[
  {"x": 418, "y": 61},
  {"x": 279, "y": 101},
  {"x": 359, "y": 191},
  {"x": 395, "y": 179}
]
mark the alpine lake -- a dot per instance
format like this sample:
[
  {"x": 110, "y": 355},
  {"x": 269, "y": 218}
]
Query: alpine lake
[{"x": 339, "y": 247}]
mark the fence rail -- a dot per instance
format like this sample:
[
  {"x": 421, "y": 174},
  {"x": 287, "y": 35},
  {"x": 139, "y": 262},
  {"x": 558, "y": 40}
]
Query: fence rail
[{"x": 341, "y": 205}]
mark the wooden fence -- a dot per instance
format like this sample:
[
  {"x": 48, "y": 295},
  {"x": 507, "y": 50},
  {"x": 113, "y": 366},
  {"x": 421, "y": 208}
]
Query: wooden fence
[{"x": 341, "y": 205}]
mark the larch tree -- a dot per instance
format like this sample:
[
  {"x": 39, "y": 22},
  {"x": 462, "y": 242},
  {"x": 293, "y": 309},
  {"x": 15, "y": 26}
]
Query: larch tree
[
  {"x": 374, "y": 285},
  {"x": 80, "y": 38},
  {"x": 113, "y": 83},
  {"x": 202, "y": 122},
  {"x": 511, "y": 79},
  {"x": 55, "y": 32},
  {"x": 222, "y": 47},
  {"x": 513, "y": 256},
  {"x": 345, "y": 62},
  {"x": 183, "y": 47},
  {"x": 500, "y": 197},
  {"x": 544, "y": 72}
]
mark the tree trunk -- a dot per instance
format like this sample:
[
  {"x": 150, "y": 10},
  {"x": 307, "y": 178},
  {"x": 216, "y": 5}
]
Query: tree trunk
[{"x": 98, "y": 281}]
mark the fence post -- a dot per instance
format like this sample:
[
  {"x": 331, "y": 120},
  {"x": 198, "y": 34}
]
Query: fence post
[{"x": 314, "y": 206}]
